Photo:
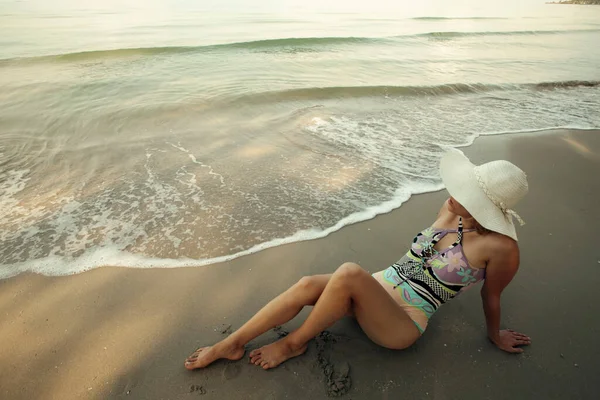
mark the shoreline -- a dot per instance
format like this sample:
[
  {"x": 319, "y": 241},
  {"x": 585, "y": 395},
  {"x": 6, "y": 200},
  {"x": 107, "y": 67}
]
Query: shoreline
[
  {"x": 119, "y": 258},
  {"x": 123, "y": 332}
]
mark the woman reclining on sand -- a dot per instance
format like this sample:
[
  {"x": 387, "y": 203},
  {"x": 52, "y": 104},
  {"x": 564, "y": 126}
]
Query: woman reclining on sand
[{"x": 393, "y": 306}]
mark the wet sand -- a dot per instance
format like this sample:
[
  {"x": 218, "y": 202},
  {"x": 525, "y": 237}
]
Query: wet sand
[{"x": 114, "y": 333}]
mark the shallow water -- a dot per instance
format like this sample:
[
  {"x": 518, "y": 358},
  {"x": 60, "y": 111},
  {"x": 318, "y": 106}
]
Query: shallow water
[{"x": 180, "y": 135}]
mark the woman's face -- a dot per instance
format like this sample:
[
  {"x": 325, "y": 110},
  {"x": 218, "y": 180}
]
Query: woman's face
[{"x": 457, "y": 208}]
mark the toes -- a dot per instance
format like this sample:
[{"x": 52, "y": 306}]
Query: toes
[
  {"x": 194, "y": 356},
  {"x": 264, "y": 364},
  {"x": 196, "y": 352},
  {"x": 254, "y": 353},
  {"x": 255, "y": 356},
  {"x": 189, "y": 362}
]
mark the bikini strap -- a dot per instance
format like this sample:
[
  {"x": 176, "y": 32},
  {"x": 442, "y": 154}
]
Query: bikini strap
[
  {"x": 459, "y": 231},
  {"x": 429, "y": 251}
]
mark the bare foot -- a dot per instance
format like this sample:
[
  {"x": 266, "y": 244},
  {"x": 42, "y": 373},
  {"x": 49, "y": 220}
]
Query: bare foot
[
  {"x": 274, "y": 354},
  {"x": 207, "y": 355}
]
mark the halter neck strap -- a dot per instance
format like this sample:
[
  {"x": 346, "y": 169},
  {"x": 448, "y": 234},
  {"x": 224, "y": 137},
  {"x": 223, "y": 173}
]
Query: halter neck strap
[{"x": 460, "y": 230}]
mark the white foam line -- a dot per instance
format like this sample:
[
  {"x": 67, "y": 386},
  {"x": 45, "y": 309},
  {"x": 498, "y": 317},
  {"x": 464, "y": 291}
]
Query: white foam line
[
  {"x": 11, "y": 183},
  {"x": 474, "y": 136},
  {"x": 178, "y": 147},
  {"x": 551, "y": 128},
  {"x": 194, "y": 160},
  {"x": 113, "y": 256}
]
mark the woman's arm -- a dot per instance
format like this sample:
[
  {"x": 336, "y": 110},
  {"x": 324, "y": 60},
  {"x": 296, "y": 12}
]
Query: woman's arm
[{"x": 501, "y": 269}]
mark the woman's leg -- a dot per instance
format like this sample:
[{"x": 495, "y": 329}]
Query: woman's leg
[
  {"x": 278, "y": 311},
  {"x": 349, "y": 288}
]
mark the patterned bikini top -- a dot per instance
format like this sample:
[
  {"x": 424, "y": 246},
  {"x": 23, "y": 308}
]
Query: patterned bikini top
[{"x": 436, "y": 275}]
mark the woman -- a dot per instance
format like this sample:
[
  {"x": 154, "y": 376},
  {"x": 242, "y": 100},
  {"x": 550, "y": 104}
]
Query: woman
[{"x": 393, "y": 306}]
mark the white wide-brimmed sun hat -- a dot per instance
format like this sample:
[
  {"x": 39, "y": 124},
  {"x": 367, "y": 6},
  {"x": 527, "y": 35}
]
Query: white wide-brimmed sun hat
[{"x": 488, "y": 191}]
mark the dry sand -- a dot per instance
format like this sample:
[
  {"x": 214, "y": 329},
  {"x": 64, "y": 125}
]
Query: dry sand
[{"x": 116, "y": 333}]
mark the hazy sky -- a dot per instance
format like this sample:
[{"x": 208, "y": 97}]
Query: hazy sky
[{"x": 403, "y": 6}]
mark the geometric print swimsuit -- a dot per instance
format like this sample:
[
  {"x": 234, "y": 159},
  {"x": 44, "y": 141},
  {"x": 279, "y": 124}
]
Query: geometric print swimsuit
[{"x": 427, "y": 278}]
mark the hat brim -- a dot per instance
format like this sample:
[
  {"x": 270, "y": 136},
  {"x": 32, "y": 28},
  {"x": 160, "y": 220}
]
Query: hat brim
[{"x": 458, "y": 175}]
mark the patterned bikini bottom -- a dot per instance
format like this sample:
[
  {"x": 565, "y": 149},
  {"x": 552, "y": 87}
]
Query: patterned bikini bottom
[{"x": 417, "y": 308}]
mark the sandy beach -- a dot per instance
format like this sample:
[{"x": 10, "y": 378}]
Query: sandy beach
[{"x": 114, "y": 333}]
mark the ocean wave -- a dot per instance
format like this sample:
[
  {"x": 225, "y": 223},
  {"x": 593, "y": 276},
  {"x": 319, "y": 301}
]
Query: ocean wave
[
  {"x": 564, "y": 84},
  {"x": 450, "y": 35},
  {"x": 267, "y": 44},
  {"x": 324, "y": 93},
  {"x": 155, "y": 51},
  {"x": 454, "y": 18},
  {"x": 327, "y": 93}
]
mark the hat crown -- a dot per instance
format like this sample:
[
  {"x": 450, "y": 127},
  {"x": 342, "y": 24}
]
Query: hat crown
[{"x": 504, "y": 182}]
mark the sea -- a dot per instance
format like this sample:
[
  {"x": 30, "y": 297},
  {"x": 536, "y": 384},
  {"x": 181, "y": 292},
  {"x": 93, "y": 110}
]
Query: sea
[{"x": 169, "y": 133}]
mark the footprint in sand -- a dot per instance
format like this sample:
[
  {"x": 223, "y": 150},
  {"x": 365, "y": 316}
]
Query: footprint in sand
[
  {"x": 199, "y": 389},
  {"x": 231, "y": 371},
  {"x": 280, "y": 331},
  {"x": 337, "y": 374},
  {"x": 224, "y": 329}
]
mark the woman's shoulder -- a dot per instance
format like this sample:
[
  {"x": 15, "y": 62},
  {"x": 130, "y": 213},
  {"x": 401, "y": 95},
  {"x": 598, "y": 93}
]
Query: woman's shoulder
[{"x": 501, "y": 244}]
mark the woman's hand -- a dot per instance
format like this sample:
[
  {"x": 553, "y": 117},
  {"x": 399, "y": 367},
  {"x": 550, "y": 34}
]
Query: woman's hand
[{"x": 508, "y": 339}]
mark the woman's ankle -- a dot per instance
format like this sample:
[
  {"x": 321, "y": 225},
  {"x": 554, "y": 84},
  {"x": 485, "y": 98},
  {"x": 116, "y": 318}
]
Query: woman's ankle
[
  {"x": 294, "y": 343},
  {"x": 232, "y": 341}
]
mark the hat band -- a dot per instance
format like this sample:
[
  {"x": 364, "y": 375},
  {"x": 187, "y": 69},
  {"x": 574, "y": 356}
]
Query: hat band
[{"x": 500, "y": 204}]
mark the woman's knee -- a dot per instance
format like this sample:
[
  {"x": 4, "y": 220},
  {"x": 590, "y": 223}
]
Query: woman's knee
[
  {"x": 306, "y": 282},
  {"x": 309, "y": 285},
  {"x": 402, "y": 345},
  {"x": 350, "y": 271}
]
